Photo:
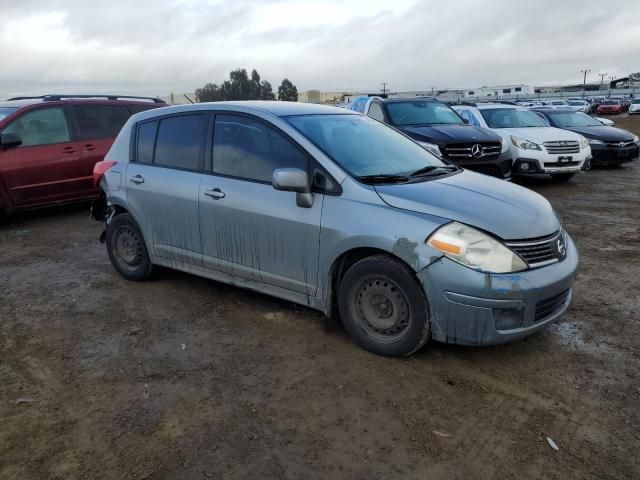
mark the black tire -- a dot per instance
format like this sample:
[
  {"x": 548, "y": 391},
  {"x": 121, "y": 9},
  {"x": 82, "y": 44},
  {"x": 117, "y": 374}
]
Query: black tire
[
  {"x": 383, "y": 307},
  {"x": 126, "y": 248},
  {"x": 562, "y": 177}
]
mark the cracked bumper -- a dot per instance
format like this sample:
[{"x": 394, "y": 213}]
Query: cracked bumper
[{"x": 474, "y": 308}]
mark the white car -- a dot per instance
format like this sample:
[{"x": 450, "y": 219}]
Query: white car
[
  {"x": 634, "y": 108},
  {"x": 536, "y": 148},
  {"x": 579, "y": 105}
]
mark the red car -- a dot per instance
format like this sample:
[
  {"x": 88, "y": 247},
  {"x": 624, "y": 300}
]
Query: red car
[
  {"x": 611, "y": 107},
  {"x": 49, "y": 145}
]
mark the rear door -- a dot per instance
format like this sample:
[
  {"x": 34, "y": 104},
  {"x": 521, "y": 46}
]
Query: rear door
[
  {"x": 163, "y": 181},
  {"x": 44, "y": 168},
  {"x": 249, "y": 229},
  {"x": 96, "y": 127}
]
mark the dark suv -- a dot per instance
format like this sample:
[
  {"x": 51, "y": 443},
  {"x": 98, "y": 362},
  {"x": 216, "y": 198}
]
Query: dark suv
[
  {"x": 50, "y": 144},
  {"x": 439, "y": 129}
]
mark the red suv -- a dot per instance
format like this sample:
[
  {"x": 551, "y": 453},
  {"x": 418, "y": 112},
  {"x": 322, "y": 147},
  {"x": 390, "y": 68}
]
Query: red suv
[{"x": 49, "y": 145}]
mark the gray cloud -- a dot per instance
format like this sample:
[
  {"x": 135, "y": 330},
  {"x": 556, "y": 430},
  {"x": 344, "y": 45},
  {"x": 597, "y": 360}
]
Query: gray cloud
[{"x": 170, "y": 45}]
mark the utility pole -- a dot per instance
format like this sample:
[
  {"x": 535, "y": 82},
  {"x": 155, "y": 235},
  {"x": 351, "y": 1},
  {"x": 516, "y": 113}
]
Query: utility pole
[
  {"x": 384, "y": 87},
  {"x": 602, "y": 75},
  {"x": 584, "y": 81}
]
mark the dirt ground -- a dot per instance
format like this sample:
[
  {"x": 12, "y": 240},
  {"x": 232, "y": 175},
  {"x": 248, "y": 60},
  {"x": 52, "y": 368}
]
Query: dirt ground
[{"x": 185, "y": 378}]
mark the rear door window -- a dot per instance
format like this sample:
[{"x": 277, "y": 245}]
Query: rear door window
[
  {"x": 99, "y": 121},
  {"x": 44, "y": 126},
  {"x": 146, "y": 141},
  {"x": 180, "y": 142},
  {"x": 249, "y": 149}
]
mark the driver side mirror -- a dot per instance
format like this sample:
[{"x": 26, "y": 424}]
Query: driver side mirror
[
  {"x": 294, "y": 180},
  {"x": 465, "y": 120},
  {"x": 10, "y": 140}
]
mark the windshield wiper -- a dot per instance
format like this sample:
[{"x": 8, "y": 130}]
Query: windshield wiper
[
  {"x": 382, "y": 178},
  {"x": 434, "y": 170}
]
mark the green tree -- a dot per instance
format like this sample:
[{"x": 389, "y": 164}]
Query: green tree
[
  {"x": 239, "y": 87},
  {"x": 287, "y": 91},
  {"x": 209, "y": 93}
]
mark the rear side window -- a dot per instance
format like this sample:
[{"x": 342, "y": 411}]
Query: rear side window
[
  {"x": 100, "y": 121},
  {"x": 146, "y": 141},
  {"x": 179, "y": 142},
  {"x": 251, "y": 150},
  {"x": 375, "y": 112},
  {"x": 44, "y": 126}
]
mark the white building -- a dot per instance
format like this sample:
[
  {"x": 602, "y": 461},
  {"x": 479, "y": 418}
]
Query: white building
[{"x": 498, "y": 92}]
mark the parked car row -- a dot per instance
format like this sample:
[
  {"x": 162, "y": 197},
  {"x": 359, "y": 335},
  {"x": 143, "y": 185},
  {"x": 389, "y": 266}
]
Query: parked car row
[{"x": 504, "y": 139}]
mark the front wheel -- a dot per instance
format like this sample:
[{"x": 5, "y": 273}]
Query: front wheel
[
  {"x": 126, "y": 248},
  {"x": 562, "y": 177},
  {"x": 383, "y": 307}
]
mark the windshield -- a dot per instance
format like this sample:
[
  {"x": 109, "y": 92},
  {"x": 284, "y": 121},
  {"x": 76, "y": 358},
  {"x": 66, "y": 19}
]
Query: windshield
[
  {"x": 363, "y": 146},
  {"x": 6, "y": 111},
  {"x": 575, "y": 103},
  {"x": 573, "y": 119},
  {"x": 421, "y": 113},
  {"x": 511, "y": 118},
  {"x": 636, "y": 101},
  {"x": 610, "y": 102}
]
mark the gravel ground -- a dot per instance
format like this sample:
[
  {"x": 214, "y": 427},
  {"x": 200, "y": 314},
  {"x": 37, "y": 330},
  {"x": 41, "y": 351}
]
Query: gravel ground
[{"x": 185, "y": 378}]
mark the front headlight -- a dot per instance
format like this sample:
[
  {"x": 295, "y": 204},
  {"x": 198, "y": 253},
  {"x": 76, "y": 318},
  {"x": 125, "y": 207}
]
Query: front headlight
[
  {"x": 524, "y": 144},
  {"x": 584, "y": 143},
  {"x": 432, "y": 148},
  {"x": 595, "y": 142},
  {"x": 475, "y": 249},
  {"x": 505, "y": 145},
  {"x": 636, "y": 139}
]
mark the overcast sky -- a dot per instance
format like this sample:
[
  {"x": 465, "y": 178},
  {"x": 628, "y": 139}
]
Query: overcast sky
[{"x": 161, "y": 46}]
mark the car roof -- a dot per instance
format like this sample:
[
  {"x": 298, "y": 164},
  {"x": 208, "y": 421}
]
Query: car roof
[
  {"x": 19, "y": 102},
  {"x": 277, "y": 108},
  {"x": 487, "y": 106}
]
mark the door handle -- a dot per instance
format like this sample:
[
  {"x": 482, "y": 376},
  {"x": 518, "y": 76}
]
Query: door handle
[
  {"x": 88, "y": 147},
  {"x": 214, "y": 193},
  {"x": 137, "y": 179},
  {"x": 69, "y": 150}
]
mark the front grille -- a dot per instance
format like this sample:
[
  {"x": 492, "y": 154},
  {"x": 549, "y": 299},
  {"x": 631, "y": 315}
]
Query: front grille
[
  {"x": 539, "y": 252},
  {"x": 550, "y": 306},
  {"x": 617, "y": 144},
  {"x": 562, "y": 147},
  {"x": 472, "y": 151}
]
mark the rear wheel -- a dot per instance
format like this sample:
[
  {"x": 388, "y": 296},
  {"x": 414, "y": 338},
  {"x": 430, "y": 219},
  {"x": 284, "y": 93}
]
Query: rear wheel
[
  {"x": 562, "y": 177},
  {"x": 383, "y": 307},
  {"x": 126, "y": 248}
]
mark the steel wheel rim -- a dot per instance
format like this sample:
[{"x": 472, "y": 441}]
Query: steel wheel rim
[
  {"x": 127, "y": 248},
  {"x": 381, "y": 309}
]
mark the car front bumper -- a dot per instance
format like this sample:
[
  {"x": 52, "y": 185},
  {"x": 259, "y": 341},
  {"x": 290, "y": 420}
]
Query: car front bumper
[
  {"x": 469, "y": 307},
  {"x": 498, "y": 167},
  {"x": 541, "y": 163},
  {"x": 609, "y": 155}
]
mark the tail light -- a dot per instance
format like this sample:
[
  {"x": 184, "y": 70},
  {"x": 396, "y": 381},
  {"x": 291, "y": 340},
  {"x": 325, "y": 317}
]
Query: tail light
[{"x": 100, "y": 169}]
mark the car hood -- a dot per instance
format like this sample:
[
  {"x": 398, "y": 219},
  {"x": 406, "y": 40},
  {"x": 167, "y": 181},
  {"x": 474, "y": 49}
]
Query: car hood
[
  {"x": 539, "y": 134},
  {"x": 446, "y": 134},
  {"x": 509, "y": 211},
  {"x": 606, "y": 134}
]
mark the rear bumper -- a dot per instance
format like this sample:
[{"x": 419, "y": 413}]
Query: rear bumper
[{"x": 474, "y": 308}]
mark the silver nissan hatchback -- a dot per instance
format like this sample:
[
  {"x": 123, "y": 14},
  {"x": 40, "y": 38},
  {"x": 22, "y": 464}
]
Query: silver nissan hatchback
[{"x": 331, "y": 209}]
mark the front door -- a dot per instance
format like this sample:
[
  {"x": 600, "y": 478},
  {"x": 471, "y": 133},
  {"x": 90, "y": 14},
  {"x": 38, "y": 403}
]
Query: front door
[
  {"x": 163, "y": 182},
  {"x": 249, "y": 229},
  {"x": 44, "y": 169}
]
